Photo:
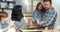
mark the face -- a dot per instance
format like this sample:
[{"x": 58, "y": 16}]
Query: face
[
  {"x": 39, "y": 7},
  {"x": 4, "y": 18},
  {"x": 47, "y": 5}
]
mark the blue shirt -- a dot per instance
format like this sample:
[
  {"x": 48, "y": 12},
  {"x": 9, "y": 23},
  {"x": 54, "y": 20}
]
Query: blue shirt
[
  {"x": 3, "y": 25},
  {"x": 38, "y": 15}
]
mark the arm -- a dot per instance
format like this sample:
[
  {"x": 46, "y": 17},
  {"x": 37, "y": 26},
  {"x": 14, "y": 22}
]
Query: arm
[
  {"x": 20, "y": 25},
  {"x": 10, "y": 26},
  {"x": 35, "y": 15},
  {"x": 51, "y": 19},
  {"x": 5, "y": 29}
]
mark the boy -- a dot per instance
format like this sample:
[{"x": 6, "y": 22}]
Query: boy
[{"x": 4, "y": 23}]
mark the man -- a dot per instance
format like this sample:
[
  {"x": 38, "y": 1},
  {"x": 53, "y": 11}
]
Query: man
[{"x": 49, "y": 16}]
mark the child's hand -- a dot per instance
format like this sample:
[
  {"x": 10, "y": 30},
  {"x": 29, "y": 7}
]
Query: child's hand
[
  {"x": 11, "y": 26},
  {"x": 46, "y": 28},
  {"x": 8, "y": 27},
  {"x": 38, "y": 22}
]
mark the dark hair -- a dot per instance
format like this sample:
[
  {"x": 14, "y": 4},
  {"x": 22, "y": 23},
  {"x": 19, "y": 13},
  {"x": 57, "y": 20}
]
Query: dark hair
[
  {"x": 42, "y": 10},
  {"x": 17, "y": 13},
  {"x": 3, "y": 14},
  {"x": 47, "y": 1}
]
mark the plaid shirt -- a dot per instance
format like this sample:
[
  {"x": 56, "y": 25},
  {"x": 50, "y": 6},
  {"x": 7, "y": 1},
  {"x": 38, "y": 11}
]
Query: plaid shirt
[{"x": 49, "y": 17}]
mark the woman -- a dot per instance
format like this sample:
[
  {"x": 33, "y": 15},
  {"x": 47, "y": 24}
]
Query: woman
[{"x": 17, "y": 16}]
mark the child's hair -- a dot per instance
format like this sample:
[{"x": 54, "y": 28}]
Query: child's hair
[
  {"x": 43, "y": 9},
  {"x": 38, "y": 5},
  {"x": 3, "y": 14}
]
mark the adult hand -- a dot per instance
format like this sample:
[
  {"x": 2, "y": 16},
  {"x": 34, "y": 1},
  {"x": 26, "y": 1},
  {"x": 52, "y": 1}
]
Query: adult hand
[
  {"x": 30, "y": 19},
  {"x": 39, "y": 22}
]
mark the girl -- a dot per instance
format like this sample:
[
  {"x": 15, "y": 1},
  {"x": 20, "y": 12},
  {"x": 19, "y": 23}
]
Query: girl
[
  {"x": 38, "y": 13},
  {"x": 38, "y": 16}
]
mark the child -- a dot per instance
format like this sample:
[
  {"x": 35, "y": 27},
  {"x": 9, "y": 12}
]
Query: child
[
  {"x": 38, "y": 13},
  {"x": 4, "y": 23}
]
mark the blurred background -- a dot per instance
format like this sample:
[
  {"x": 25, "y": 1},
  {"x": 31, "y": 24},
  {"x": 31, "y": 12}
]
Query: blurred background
[{"x": 28, "y": 7}]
